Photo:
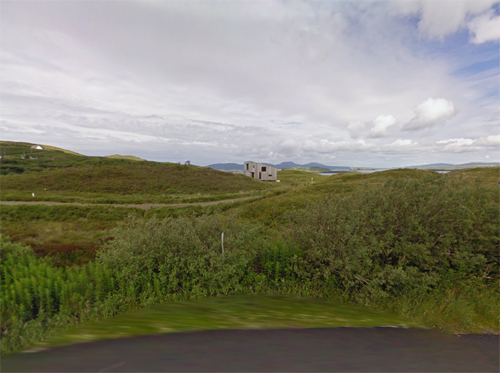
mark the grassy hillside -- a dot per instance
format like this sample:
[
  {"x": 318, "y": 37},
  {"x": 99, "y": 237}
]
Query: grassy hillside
[
  {"x": 488, "y": 176},
  {"x": 138, "y": 178},
  {"x": 414, "y": 243},
  {"x": 19, "y": 158},
  {"x": 272, "y": 210},
  {"x": 56, "y": 175},
  {"x": 421, "y": 246},
  {"x": 128, "y": 157},
  {"x": 74, "y": 232}
]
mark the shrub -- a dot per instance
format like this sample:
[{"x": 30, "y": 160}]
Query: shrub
[
  {"x": 35, "y": 294},
  {"x": 9, "y": 247},
  {"x": 405, "y": 236},
  {"x": 182, "y": 256}
]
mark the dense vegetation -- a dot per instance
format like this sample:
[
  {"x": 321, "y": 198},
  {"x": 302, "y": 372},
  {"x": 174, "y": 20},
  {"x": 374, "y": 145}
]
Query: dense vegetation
[{"x": 424, "y": 247}]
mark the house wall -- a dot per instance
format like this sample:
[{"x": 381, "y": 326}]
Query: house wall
[{"x": 260, "y": 171}]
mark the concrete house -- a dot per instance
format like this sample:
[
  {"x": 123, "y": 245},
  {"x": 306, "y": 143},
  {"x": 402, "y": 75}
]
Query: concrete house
[{"x": 260, "y": 171}]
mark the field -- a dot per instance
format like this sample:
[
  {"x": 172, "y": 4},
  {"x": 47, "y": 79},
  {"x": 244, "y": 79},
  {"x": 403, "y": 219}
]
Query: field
[{"x": 411, "y": 246}]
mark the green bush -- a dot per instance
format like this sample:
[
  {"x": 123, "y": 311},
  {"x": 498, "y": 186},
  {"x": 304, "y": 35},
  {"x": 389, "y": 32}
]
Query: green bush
[
  {"x": 182, "y": 256},
  {"x": 9, "y": 247},
  {"x": 407, "y": 236}
]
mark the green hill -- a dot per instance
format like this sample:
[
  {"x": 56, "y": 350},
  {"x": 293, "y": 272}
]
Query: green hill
[
  {"x": 58, "y": 175},
  {"x": 128, "y": 157},
  {"x": 272, "y": 210},
  {"x": 19, "y": 158},
  {"x": 143, "y": 178}
]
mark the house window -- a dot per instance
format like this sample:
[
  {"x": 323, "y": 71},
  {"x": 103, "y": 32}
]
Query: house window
[
  {"x": 263, "y": 169},
  {"x": 247, "y": 166}
]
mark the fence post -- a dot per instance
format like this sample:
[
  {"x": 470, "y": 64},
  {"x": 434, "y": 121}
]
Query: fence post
[{"x": 222, "y": 243}]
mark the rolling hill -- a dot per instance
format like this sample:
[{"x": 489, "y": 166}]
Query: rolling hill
[{"x": 53, "y": 173}]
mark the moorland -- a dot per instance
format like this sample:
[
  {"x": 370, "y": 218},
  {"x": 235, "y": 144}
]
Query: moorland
[{"x": 408, "y": 243}]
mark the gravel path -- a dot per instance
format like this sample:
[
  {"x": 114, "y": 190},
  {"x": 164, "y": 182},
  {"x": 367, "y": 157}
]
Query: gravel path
[
  {"x": 285, "y": 350},
  {"x": 144, "y": 206}
]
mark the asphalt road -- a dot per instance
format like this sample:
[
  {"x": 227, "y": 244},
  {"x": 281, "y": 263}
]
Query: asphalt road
[{"x": 284, "y": 350}]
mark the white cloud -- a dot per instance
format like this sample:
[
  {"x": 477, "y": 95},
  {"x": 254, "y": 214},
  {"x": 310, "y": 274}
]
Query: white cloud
[
  {"x": 382, "y": 126},
  {"x": 401, "y": 144},
  {"x": 230, "y": 81},
  {"x": 490, "y": 141},
  {"x": 485, "y": 27},
  {"x": 356, "y": 129},
  {"x": 430, "y": 113},
  {"x": 326, "y": 146},
  {"x": 461, "y": 145},
  {"x": 441, "y": 18}
]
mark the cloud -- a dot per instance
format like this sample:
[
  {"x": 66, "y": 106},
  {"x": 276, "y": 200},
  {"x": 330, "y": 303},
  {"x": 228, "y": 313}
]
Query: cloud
[
  {"x": 325, "y": 146},
  {"x": 485, "y": 27},
  {"x": 438, "y": 19},
  {"x": 462, "y": 145},
  {"x": 356, "y": 129},
  {"x": 400, "y": 144},
  {"x": 382, "y": 126},
  {"x": 489, "y": 141},
  {"x": 221, "y": 81},
  {"x": 430, "y": 113}
]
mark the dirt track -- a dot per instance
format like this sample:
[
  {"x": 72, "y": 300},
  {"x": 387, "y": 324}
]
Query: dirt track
[
  {"x": 285, "y": 350},
  {"x": 145, "y": 206}
]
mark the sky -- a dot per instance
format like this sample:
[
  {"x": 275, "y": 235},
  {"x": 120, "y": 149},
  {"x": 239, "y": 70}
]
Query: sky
[{"x": 345, "y": 83}]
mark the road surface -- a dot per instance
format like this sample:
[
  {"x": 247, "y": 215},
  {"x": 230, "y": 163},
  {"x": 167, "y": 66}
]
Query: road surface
[{"x": 285, "y": 350}]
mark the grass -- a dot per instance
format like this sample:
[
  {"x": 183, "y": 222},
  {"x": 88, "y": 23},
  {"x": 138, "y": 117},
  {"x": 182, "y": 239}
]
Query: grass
[
  {"x": 296, "y": 178},
  {"x": 86, "y": 227},
  {"x": 301, "y": 192},
  {"x": 109, "y": 198},
  {"x": 458, "y": 309},
  {"x": 488, "y": 176},
  {"x": 55, "y": 175},
  {"x": 129, "y": 157},
  {"x": 143, "y": 178},
  {"x": 233, "y": 312},
  {"x": 71, "y": 235}
]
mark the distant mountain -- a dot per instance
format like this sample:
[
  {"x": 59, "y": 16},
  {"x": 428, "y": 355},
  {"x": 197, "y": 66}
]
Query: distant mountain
[
  {"x": 481, "y": 164},
  {"x": 315, "y": 165},
  {"x": 286, "y": 165},
  {"x": 456, "y": 166},
  {"x": 282, "y": 165},
  {"x": 432, "y": 165},
  {"x": 319, "y": 165},
  {"x": 226, "y": 166}
]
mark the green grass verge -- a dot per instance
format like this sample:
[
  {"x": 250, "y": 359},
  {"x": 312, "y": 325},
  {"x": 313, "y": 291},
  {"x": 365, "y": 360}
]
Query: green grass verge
[{"x": 233, "y": 312}]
